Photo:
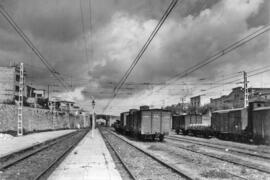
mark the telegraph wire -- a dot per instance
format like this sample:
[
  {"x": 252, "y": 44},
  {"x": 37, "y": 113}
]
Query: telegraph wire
[
  {"x": 141, "y": 52},
  {"x": 223, "y": 52},
  {"x": 153, "y": 34},
  {"x": 84, "y": 36},
  {"x": 91, "y": 30},
  {"x": 32, "y": 46},
  {"x": 240, "y": 79},
  {"x": 217, "y": 55}
]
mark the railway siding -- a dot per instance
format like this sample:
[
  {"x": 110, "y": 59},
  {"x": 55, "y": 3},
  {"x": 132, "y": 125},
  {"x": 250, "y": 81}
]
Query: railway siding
[
  {"x": 143, "y": 165},
  {"x": 259, "y": 165},
  {"x": 199, "y": 165},
  {"x": 234, "y": 149},
  {"x": 36, "y": 163}
]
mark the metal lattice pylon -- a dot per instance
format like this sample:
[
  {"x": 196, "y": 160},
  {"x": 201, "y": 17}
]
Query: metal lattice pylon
[
  {"x": 84, "y": 120},
  {"x": 245, "y": 90},
  {"x": 54, "y": 114},
  {"x": 20, "y": 103}
]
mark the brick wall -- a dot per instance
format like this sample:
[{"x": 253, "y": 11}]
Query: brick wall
[{"x": 37, "y": 119}]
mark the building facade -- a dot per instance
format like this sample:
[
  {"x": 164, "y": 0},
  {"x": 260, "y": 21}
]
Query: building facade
[
  {"x": 198, "y": 101},
  {"x": 195, "y": 101},
  {"x": 9, "y": 83},
  {"x": 236, "y": 98},
  {"x": 9, "y": 87}
]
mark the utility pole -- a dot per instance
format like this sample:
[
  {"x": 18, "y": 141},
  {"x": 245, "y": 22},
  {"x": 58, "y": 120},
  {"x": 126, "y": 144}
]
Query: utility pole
[
  {"x": 48, "y": 92},
  {"x": 54, "y": 113},
  {"x": 69, "y": 116},
  {"x": 182, "y": 105},
  {"x": 93, "y": 116},
  {"x": 35, "y": 100},
  {"x": 84, "y": 119},
  {"x": 20, "y": 103},
  {"x": 245, "y": 89}
]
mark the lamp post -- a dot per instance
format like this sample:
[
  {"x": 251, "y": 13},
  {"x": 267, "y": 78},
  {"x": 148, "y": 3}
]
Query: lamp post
[{"x": 93, "y": 116}]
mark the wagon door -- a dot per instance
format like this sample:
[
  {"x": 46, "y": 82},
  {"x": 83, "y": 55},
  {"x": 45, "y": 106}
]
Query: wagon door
[
  {"x": 165, "y": 122},
  {"x": 214, "y": 121},
  {"x": 145, "y": 122},
  {"x": 224, "y": 123},
  {"x": 182, "y": 122},
  {"x": 237, "y": 122},
  {"x": 125, "y": 119},
  {"x": 156, "y": 121},
  {"x": 175, "y": 124},
  {"x": 187, "y": 121}
]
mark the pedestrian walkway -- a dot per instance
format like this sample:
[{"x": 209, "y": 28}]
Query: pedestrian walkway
[
  {"x": 90, "y": 160},
  {"x": 14, "y": 144}
]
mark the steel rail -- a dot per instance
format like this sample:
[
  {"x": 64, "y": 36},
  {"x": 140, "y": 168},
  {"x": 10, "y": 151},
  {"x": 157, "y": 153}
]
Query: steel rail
[
  {"x": 58, "y": 160},
  {"x": 222, "y": 147},
  {"x": 119, "y": 157},
  {"x": 236, "y": 162},
  {"x": 174, "y": 169},
  {"x": 30, "y": 151}
]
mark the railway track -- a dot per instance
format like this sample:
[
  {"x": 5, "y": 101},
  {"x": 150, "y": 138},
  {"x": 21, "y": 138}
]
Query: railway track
[
  {"x": 139, "y": 163},
  {"x": 39, "y": 161},
  {"x": 121, "y": 161},
  {"x": 237, "y": 161},
  {"x": 235, "y": 149}
]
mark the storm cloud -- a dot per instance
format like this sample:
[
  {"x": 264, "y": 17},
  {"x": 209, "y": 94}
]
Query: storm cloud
[{"x": 194, "y": 31}]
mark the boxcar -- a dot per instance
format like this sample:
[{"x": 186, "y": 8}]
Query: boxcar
[
  {"x": 181, "y": 122},
  {"x": 199, "y": 129},
  {"x": 261, "y": 124},
  {"x": 152, "y": 123},
  {"x": 230, "y": 124},
  {"x": 123, "y": 121},
  {"x": 129, "y": 129}
]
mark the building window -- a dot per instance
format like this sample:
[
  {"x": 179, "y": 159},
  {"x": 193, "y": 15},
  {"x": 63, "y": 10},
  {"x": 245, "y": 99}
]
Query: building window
[
  {"x": 17, "y": 77},
  {"x": 17, "y": 88}
]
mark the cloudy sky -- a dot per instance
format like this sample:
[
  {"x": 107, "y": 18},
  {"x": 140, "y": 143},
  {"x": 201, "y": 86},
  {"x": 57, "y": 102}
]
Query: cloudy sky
[{"x": 93, "y": 58}]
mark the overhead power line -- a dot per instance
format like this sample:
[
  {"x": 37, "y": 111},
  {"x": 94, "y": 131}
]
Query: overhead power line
[
  {"x": 141, "y": 52},
  {"x": 91, "y": 30},
  {"x": 84, "y": 36},
  {"x": 31, "y": 46},
  {"x": 217, "y": 55},
  {"x": 262, "y": 70},
  {"x": 153, "y": 34},
  {"x": 223, "y": 52}
]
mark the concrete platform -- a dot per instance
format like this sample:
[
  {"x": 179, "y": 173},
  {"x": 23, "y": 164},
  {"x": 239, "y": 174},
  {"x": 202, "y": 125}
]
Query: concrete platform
[
  {"x": 90, "y": 160},
  {"x": 9, "y": 144}
]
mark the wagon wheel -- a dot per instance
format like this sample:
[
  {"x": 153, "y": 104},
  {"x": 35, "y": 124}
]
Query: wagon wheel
[
  {"x": 161, "y": 138},
  {"x": 153, "y": 137}
]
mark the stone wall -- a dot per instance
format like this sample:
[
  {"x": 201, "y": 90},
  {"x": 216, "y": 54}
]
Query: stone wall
[{"x": 38, "y": 119}]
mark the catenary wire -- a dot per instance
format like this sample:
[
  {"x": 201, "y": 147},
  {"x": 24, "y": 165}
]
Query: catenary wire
[
  {"x": 141, "y": 52},
  {"x": 31, "y": 46}
]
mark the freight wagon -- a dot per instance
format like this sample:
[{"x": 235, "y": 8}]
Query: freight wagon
[
  {"x": 180, "y": 123},
  {"x": 250, "y": 124},
  {"x": 123, "y": 122},
  {"x": 130, "y": 122},
  {"x": 259, "y": 120},
  {"x": 151, "y": 124},
  {"x": 146, "y": 123},
  {"x": 231, "y": 124}
]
